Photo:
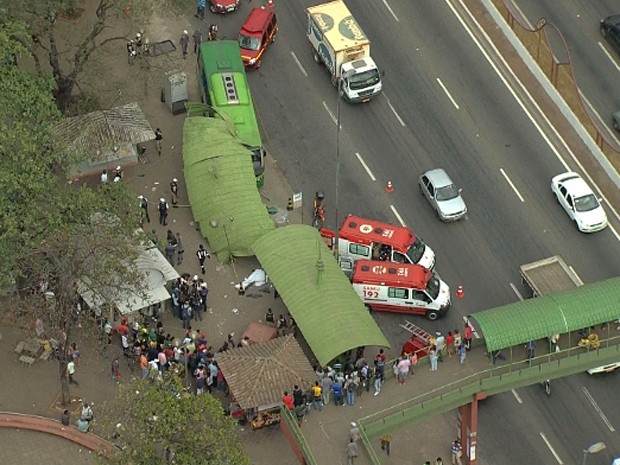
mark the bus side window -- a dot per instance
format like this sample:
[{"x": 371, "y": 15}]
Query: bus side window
[{"x": 399, "y": 258}]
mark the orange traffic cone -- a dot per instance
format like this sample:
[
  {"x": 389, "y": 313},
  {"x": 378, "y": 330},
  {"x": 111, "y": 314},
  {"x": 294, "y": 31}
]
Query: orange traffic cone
[
  {"x": 389, "y": 187},
  {"x": 460, "y": 292}
]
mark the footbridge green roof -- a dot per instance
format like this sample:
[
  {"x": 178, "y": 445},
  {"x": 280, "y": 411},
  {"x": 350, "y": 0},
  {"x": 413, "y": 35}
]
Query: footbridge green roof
[
  {"x": 328, "y": 312},
  {"x": 221, "y": 187},
  {"x": 585, "y": 306}
]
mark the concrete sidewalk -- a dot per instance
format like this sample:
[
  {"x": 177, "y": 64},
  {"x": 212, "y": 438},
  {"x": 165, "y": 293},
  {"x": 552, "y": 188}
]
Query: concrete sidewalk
[{"x": 327, "y": 432}]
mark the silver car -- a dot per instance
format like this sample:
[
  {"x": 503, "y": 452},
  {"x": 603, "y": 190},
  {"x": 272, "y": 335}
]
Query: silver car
[{"x": 443, "y": 195}]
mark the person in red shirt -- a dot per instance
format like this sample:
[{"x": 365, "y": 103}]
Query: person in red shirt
[
  {"x": 287, "y": 400},
  {"x": 450, "y": 343}
]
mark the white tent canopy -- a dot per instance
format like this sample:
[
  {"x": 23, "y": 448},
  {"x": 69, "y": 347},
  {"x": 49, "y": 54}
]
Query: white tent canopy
[{"x": 157, "y": 273}]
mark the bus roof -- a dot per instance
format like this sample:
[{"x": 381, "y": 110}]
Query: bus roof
[
  {"x": 228, "y": 87},
  {"x": 365, "y": 231},
  {"x": 391, "y": 274}
]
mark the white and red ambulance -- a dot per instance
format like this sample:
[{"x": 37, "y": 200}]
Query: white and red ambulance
[
  {"x": 361, "y": 238},
  {"x": 400, "y": 288}
]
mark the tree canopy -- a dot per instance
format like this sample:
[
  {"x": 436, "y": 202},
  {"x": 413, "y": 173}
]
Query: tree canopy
[
  {"x": 52, "y": 233},
  {"x": 153, "y": 421}
]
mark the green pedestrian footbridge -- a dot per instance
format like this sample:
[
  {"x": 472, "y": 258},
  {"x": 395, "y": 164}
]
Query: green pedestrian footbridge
[{"x": 506, "y": 330}]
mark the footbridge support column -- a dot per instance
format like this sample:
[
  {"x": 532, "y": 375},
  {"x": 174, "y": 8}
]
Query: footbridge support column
[{"x": 468, "y": 425}]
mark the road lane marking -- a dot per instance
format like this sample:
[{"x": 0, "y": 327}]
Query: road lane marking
[
  {"x": 301, "y": 68},
  {"x": 609, "y": 55},
  {"x": 514, "y": 393},
  {"x": 516, "y": 291},
  {"x": 511, "y": 184},
  {"x": 397, "y": 215},
  {"x": 447, "y": 93},
  {"x": 598, "y": 409},
  {"x": 390, "y": 10},
  {"x": 555, "y": 454},
  {"x": 361, "y": 160},
  {"x": 400, "y": 120},
  {"x": 333, "y": 117},
  {"x": 532, "y": 101}
]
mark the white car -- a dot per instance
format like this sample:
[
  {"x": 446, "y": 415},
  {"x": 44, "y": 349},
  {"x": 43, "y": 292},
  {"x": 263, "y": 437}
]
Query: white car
[
  {"x": 604, "y": 368},
  {"x": 579, "y": 202}
]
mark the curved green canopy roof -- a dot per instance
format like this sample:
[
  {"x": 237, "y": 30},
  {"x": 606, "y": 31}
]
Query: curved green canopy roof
[
  {"x": 316, "y": 292},
  {"x": 518, "y": 323},
  {"x": 222, "y": 187}
]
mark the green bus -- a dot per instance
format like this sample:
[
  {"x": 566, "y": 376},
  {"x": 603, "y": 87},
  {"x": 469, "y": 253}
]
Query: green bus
[{"x": 224, "y": 88}]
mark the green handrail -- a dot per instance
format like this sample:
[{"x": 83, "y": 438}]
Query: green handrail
[{"x": 287, "y": 416}]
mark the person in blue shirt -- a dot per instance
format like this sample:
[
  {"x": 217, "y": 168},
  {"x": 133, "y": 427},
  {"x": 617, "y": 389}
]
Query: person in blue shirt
[{"x": 337, "y": 390}]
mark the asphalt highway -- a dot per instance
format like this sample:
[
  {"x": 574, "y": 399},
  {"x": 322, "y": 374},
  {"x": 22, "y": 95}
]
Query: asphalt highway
[
  {"x": 595, "y": 63},
  {"x": 443, "y": 106}
]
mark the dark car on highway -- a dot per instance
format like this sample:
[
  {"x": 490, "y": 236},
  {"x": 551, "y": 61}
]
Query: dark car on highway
[{"x": 610, "y": 29}]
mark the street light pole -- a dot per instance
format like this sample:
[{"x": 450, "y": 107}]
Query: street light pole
[
  {"x": 336, "y": 249},
  {"x": 214, "y": 223},
  {"x": 593, "y": 449}
]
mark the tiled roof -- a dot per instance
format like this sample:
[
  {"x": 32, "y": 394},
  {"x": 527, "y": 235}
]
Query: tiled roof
[{"x": 258, "y": 375}]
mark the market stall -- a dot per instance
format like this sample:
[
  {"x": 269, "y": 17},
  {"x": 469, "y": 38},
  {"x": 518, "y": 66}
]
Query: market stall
[{"x": 258, "y": 375}]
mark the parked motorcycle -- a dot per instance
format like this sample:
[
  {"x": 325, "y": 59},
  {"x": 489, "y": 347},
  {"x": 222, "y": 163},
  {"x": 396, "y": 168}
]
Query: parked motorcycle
[{"x": 319, "y": 212}]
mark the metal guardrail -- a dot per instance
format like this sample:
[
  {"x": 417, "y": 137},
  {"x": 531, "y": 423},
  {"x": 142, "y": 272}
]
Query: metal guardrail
[
  {"x": 291, "y": 422},
  {"x": 494, "y": 380},
  {"x": 374, "y": 459}
]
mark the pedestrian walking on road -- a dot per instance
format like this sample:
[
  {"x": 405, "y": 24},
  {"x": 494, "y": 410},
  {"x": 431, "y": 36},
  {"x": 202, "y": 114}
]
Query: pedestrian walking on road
[
  {"x": 87, "y": 412},
  {"x": 169, "y": 251},
  {"x": 317, "y": 397},
  {"x": 378, "y": 381},
  {"x": 104, "y": 177},
  {"x": 462, "y": 352},
  {"x": 118, "y": 174},
  {"x": 174, "y": 190},
  {"x": 438, "y": 461},
  {"x": 351, "y": 452},
  {"x": 469, "y": 331},
  {"x": 440, "y": 343},
  {"x": 144, "y": 209},
  {"x": 116, "y": 369},
  {"x": 457, "y": 452},
  {"x": 450, "y": 343},
  {"x": 457, "y": 338},
  {"x": 197, "y": 37},
  {"x": 163, "y": 208},
  {"x": 184, "y": 41},
  {"x": 386, "y": 440},
  {"x": 326, "y": 386},
  {"x": 144, "y": 365},
  {"x": 434, "y": 358},
  {"x": 200, "y": 9},
  {"x": 180, "y": 249},
  {"x": 71, "y": 372},
  {"x": 159, "y": 137},
  {"x": 65, "y": 418},
  {"x": 354, "y": 432},
  {"x": 202, "y": 254}
]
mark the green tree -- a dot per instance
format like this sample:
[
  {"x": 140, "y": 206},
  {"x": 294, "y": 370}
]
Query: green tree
[
  {"x": 53, "y": 235},
  {"x": 68, "y": 34},
  {"x": 153, "y": 421}
]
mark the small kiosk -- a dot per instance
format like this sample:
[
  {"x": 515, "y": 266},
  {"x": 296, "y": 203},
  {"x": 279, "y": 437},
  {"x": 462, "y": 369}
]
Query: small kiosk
[{"x": 258, "y": 375}]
